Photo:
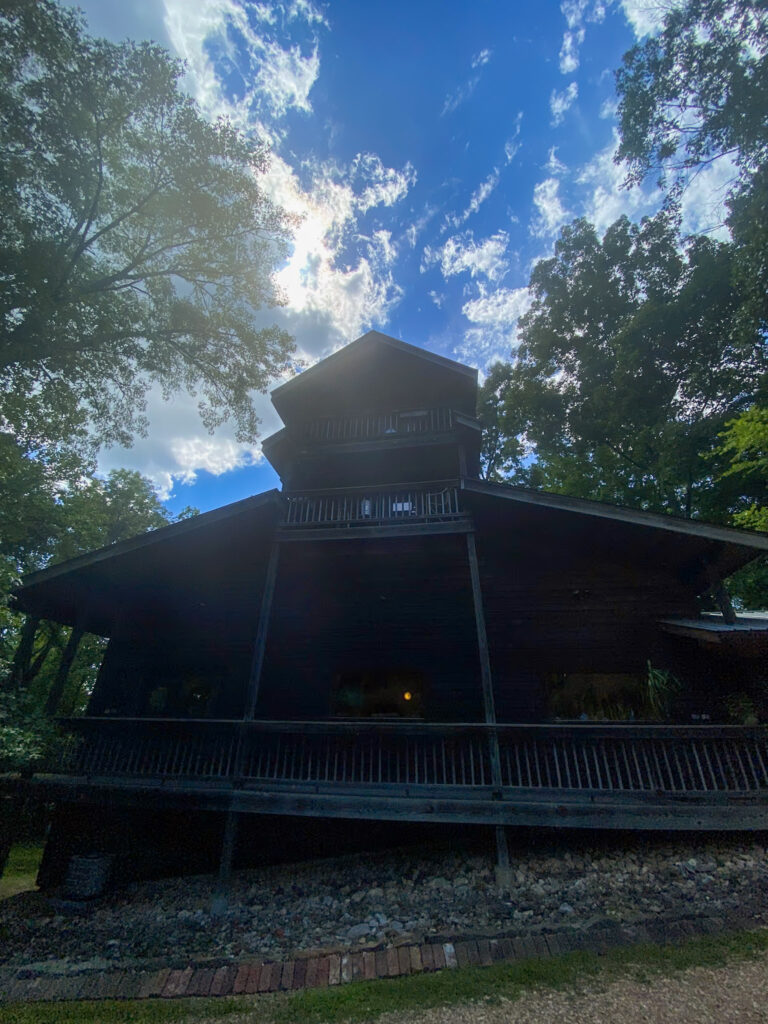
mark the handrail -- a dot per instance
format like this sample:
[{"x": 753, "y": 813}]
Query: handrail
[
  {"x": 656, "y": 759},
  {"x": 371, "y": 426},
  {"x": 375, "y": 505}
]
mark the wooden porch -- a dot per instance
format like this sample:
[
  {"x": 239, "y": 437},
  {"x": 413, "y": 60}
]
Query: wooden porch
[{"x": 594, "y": 776}]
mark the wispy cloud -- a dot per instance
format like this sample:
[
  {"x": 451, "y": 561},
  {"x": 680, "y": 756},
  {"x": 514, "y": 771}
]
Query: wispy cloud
[
  {"x": 553, "y": 165},
  {"x": 462, "y": 254},
  {"x": 605, "y": 199},
  {"x": 561, "y": 102},
  {"x": 483, "y": 191},
  {"x": 455, "y": 99},
  {"x": 494, "y": 315},
  {"x": 646, "y": 17},
  {"x": 512, "y": 145},
  {"x": 577, "y": 13},
  {"x": 550, "y": 212}
]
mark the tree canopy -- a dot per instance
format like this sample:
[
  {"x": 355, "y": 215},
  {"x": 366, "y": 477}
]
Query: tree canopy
[
  {"x": 641, "y": 373},
  {"x": 629, "y": 366},
  {"x": 137, "y": 243},
  {"x": 694, "y": 94}
]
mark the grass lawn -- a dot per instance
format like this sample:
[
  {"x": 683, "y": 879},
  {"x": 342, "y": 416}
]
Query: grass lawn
[
  {"x": 21, "y": 870},
  {"x": 364, "y": 1001}
]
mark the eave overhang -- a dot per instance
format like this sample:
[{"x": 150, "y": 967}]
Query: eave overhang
[
  {"x": 701, "y": 553},
  {"x": 190, "y": 559}
]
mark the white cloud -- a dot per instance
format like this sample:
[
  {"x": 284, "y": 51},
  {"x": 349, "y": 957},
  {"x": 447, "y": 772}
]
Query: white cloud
[
  {"x": 462, "y": 254},
  {"x": 512, "y": 146},
  {"x": 176, "y": 449},
  {"x": 476, "y": 200},
  {"x": 414, "y": 229},
  {"x": 494, "y": 316},
  {"x": 455, "y": 99},
  {"x": 646, "y": 17},
  {"x": 560, "y": 102},
  {"x": 608, "y": 108},
  {"x": 605, "y": 199},
  {"x": 553, "y": 165},
  {"x": 550, "y": 212},
  {"x": 576, "y": 13},
  {"x": 257, "y": 64},
  {"x": 273, "y": 78},
  {"x": 569, "y": 51},
  {"x": 703, "y": 202},
  {"x": 318, "y": 284}
]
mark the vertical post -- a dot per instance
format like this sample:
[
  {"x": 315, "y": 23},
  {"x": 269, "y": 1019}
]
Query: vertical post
[
  {"x": 260, "y": 642},
  {"x": 489, "y": 708},
  {"x": 486, "y": 679},
  {"x": 67, "y": 657},
  {"x": 23, "y": 654},
  {"x": 503, "y": 873},
  {"x": 723, "y": 598},
  {"x": 219, "y": 900}
]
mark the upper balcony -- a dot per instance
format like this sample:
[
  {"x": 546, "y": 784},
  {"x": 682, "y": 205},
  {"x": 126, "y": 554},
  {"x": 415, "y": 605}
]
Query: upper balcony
[
  {"x": 432, "y": 508},
  {"x": 369, "y": 427},
  {"x": 376, "y": 447}
]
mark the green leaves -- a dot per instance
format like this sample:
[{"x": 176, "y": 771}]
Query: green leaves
[
  {"x": 632, "y": 358},
  {"x": 697, "y": 91},
  {"x": 136, "y": 242}
]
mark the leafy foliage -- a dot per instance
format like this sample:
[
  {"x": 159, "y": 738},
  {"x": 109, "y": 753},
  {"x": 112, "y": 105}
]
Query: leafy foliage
[
  {"x": 136, "y": 241},
  {"x": 56, "y": 523},
  {"x": 698, "y": 90},
  {"x": 629, "y": 366}
]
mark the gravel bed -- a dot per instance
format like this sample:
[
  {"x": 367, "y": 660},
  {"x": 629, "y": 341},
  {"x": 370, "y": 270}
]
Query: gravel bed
[{"x": 366, "y": 900}]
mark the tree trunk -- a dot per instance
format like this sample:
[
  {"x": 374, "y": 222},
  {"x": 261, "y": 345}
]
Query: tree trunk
[{"x": 67, "y": 657}]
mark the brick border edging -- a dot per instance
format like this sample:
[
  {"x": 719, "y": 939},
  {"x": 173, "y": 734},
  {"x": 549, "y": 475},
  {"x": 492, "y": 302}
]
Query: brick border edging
[{"x": 340, "y": 968}]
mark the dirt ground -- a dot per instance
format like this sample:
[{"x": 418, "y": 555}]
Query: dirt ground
[{"x": 738, "y": 992}]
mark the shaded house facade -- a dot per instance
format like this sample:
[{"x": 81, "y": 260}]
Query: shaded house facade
[{"x": 390, "y": 638}]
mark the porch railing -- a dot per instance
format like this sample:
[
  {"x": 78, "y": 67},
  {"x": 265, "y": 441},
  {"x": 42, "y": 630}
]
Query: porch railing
[
  {"x": 414, "y": 756},
  {"x": 369, "y": 507},
  {"x": 340, "y": 429}
]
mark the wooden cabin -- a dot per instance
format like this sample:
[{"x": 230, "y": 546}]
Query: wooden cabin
[{"x": 389, "y": 637}]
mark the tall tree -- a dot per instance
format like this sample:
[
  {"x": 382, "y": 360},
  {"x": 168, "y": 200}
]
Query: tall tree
[
  {"x": 698, "y": 93},
  {"x": 698, "y": 90},
  {"x": 137, "y": 243},
  {"x": 629, "y": 366}
]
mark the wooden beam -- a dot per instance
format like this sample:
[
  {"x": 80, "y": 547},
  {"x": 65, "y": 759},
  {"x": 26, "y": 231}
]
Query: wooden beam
[
  {"x": 723, "y": 598},
  {"x": 67, "y": 657},
  {"x": 486, "y": 678},
  {"x": 460, "y": 524},
  {"x": 260, "y": 643},
  {"x": 555, "y": 809},
  {"x": 23, "y": 655},
  {"x": 219, "y": 899}
]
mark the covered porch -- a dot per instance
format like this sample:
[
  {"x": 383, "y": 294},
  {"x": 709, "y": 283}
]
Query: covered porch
[{"x": 587, "y": 776}]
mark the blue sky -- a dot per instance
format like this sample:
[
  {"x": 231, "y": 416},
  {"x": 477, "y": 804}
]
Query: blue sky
[{"x": 433, "y": 150}]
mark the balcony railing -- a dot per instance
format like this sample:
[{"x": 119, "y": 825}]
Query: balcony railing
[
  {"x": 349, "y": 429},
  {"x": 361, "y": 507},
  {"x": 406, "y": 758}
]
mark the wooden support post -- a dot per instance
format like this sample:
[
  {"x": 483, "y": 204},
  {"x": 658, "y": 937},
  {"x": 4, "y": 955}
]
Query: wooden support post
[
  {"x": 260, "y": 642},
  {"x": 486, "y": 679},
  {"x": 23, "y": 655},
  {"x": 503, "y": 872},
  {"x": 219, "y": 900},
  {"x": 723, "y": 598},
  {"x": 67, "y": 657}
]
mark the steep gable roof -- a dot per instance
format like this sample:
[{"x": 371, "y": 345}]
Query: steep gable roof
[{"x": 377, "y": 371}]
